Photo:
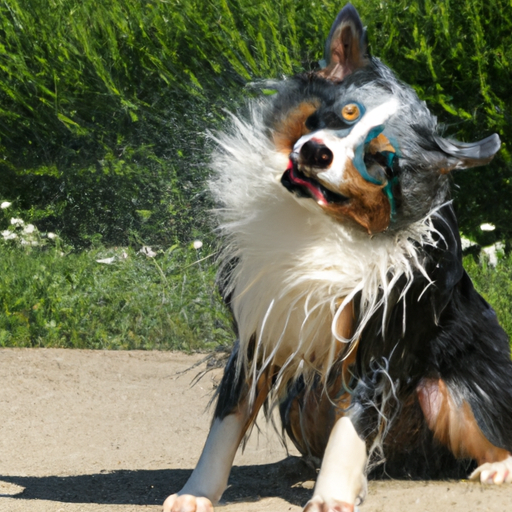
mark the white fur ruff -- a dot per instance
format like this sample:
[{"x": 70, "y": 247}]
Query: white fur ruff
[{"x": 297, "y": 268}]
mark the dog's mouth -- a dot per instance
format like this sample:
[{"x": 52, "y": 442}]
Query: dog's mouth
[{"x": 304, "y": 186}]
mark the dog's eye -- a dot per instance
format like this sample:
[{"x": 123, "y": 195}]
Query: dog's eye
[{"x": 350, "y": 112}]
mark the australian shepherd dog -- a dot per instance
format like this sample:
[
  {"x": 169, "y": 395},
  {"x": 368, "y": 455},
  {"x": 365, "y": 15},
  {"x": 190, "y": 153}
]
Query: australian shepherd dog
[{"x": 342, "y": 266}]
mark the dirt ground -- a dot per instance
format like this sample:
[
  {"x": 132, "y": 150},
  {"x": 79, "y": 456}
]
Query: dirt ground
[{"x": 118, "y": 431}]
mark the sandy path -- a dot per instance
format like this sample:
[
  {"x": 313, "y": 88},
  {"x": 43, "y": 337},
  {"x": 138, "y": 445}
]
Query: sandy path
[{"x": 118, "y": 431}]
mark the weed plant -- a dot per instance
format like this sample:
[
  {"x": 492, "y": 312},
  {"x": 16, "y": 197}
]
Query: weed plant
[
  {"x": 495, "y": 285},
  {"x": 127, "y": 300}
]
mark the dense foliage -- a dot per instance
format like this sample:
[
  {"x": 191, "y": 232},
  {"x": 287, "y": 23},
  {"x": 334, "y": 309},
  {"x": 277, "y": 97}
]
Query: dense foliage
[
  {"x": 105, "y": 105},
  {"x": 110, "y": 299}
]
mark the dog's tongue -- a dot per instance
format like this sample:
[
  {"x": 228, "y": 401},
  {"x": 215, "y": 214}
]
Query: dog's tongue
[{"x": 297, "y": 180}]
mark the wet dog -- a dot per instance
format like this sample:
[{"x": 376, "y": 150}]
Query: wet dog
[{"x": 343, "y": 269}]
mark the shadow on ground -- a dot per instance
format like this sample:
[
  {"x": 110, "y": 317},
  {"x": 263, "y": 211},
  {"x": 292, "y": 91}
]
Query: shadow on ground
[{"x": 150, "y": 487}]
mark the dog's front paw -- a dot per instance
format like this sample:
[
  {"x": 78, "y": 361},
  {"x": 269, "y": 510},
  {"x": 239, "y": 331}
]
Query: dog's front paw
[
  {"x": 318, "y": 504},
  {"x": 187, "y": 503},
  {"x": 494, "y": 472}
]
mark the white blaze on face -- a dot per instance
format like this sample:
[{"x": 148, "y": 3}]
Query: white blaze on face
[{"x": 343, "y": 148}]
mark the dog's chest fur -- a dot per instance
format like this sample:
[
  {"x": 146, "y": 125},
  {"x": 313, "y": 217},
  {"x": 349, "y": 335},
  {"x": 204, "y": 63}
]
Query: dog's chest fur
[{"x": 296, "y": 269}]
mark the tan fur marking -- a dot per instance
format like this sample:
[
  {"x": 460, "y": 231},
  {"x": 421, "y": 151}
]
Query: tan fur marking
[
  {"x": 379, "y": 144},
  {"x": 313, "y": 415},
  {"x": 346, "y": 54},
  {"x": 368, "y": 205},
  {"x": 311, "y": 421},
  {"x": 455, "y": 425},
  {"x": 345, "y": 328},
  {"x": 293, "y": 127}
]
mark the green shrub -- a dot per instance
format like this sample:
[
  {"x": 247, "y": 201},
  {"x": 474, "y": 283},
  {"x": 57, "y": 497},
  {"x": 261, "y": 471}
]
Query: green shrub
[
  {"x": 104, "y": 105},
  {"x": 495, "y": 285},
  {"x": 126, "y": 300},
  {"x": 458, "y": 57},
  {"x": 103, "y": 125}
]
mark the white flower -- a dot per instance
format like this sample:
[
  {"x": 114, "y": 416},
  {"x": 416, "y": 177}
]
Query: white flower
[
  {"x": 17, "y": 222},
  {"x": 466, "y": 243},
  {"x": 9, "y": 235},
  {"x": 493, "y": 252},
  {"x": 197, "y": 244},
  {"x": 29, "y": 228},
  {"x": 147, "y": 251},
  {"x": 51, "y": 236},
  {"x": 487, "y": 227},
  {"x": 107, "y": 261},
  {"x": 5, "y": 205}
]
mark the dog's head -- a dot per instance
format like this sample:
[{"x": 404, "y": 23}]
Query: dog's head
[{"x": 360, "y": 142}]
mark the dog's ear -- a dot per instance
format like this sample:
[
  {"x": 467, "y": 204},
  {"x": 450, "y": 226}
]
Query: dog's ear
[
  {"x": 462, "y": 155},
  {"x": 346, "y": 46}
]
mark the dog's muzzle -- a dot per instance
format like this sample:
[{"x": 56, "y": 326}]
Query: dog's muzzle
[{"x": 303, "y": 185}]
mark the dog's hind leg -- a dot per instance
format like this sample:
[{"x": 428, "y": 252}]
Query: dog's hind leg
[
  {"x": 453, "y": 423},
  {"x": 234, "y": 414},
  {"x": 467, "y": 403},
  {"x": 494, "y": 472}
]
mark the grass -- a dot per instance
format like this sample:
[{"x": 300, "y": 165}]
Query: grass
[
  {"x": 55, "y": 299},
  {"x": 117, "y": 298},
  {"x": 495, "y": 286}
]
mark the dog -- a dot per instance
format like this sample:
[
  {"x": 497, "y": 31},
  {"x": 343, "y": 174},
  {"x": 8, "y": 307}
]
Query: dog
[{"x": 342, "y": 265}]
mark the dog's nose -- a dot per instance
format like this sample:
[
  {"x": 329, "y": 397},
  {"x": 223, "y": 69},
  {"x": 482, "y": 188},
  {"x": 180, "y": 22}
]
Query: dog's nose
[{"x": 315, "y": 154}]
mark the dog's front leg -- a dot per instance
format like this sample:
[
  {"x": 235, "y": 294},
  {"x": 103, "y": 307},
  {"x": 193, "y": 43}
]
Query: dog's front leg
[
  {"x": 342, "y": 475},
  {"x": 209, "y": 479},
  {"x": 235, "y": 412}
]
